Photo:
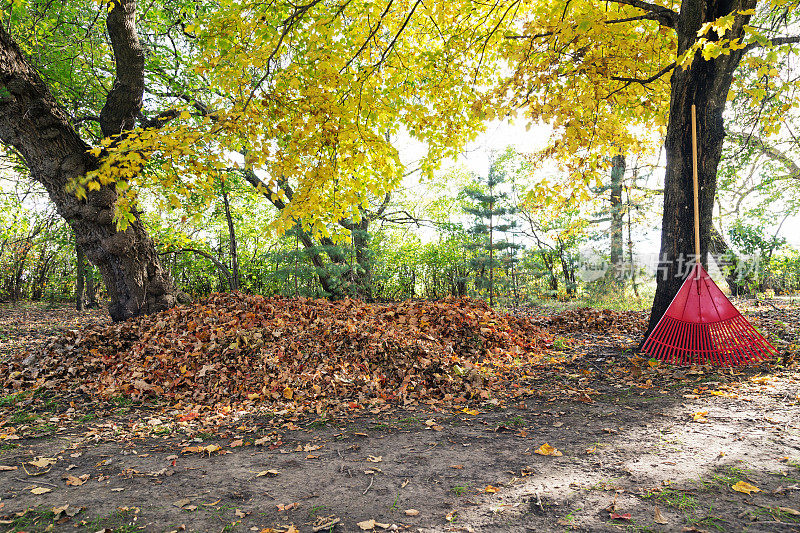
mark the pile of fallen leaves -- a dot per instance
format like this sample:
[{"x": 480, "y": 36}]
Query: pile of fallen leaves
[
  {"x": 587, "y": 319},
  {"x": 295, "y": 353}
]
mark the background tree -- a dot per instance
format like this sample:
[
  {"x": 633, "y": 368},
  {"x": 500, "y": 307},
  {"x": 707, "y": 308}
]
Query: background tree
[{"x": 491, "y": 211}]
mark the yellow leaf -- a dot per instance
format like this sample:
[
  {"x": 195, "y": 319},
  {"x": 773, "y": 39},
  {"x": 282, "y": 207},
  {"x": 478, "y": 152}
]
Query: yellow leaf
[
  {"x": 491, "y": 489},
  {"x": 40, "y": 490},
  {"x": 43, "y": 462},
  {"x": 472, "y": 412},
  {"x": 546, "y": 449},
  {"x": 700, "y": 416},
  {"x": 288, "y": 393},
  {"x": 743, "y": 486}
]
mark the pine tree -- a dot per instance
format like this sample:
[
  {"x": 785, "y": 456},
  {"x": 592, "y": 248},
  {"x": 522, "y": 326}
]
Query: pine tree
[{"x": 491, "y": 211}]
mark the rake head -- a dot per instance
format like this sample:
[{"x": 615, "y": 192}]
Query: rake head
[{"x": 702, "y": 326}]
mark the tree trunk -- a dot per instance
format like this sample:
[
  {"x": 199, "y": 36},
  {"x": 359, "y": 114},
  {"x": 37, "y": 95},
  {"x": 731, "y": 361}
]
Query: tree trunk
[
  {"x": 617, "y": 173},
  {"x": 80, "y": 277},
  {"x": 38, "y": 128},
  {"x": 724, "y": 257},
  {"x": 705, "y": 84},
  {"x": 234, "y": 277}
]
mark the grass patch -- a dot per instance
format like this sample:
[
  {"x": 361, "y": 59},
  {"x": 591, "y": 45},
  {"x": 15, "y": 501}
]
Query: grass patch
[
  {"x": 516, "y": 421},
  {"x": 673, "y": 498},
  {"x": 21, "y": 417},
  {"x": 724, "y": 479},
  {"x": 409, "y": 421},
  {"x": 319, "y": 423},
  {"x": 10, "y": 400},
  {"x": 35, "y": 517},
  {"x": 458, "y": 490},
  {"x": 123, "y": 520}
]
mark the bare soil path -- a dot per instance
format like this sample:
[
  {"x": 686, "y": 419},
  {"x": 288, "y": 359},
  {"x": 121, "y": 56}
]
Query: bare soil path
[{"x": 657, "y": 449}]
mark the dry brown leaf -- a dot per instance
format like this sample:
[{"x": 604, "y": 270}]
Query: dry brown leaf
[
  {"x": 77, "y": 481},
  {"x": 4, "y": 468},
  {"x": 658, "y": 518},
  {"x": 271, "y": 473},
  {"x": 411, "y": 512},
  {"x": 43, "y": 462}
]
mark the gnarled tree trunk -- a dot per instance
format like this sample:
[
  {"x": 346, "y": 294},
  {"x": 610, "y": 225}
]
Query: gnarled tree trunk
[{"x": 38, "y": 128}]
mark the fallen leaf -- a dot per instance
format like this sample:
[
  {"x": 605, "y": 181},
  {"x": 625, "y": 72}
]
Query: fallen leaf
[
  {"x": 287, "y": 507},
  {"x": 411, "y": 512},
  {"x": 546, "y": 449},
  {"x": 240, "y": 514},
  {"x": 236, "y": 443},
  {"x": 472, "y": 412},
  {"x": 747, "y": 488},
  {"x": 457, "y": 467},
  {"x": 789, "y": 510},
  {"x": 374, "y": 458},
  {"x": 4, "y": 468},
  {"x": 43, "y": 462},
  {"x": 182, "y": 502},
  {"x": 77, "y": 481},
  {"x": 617, "y": 516},
  {"x": 40, "y": 490},
  {"x": 700, "y": 417},
  {"x": 367, "y": 525},
  {"x": 491, "y": 489},
  {"x": 658, "y": 518},
  {"x": 271, "y": 473}
]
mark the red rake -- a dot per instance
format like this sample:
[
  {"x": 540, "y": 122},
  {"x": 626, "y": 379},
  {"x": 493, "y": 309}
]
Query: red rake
[{"x": 701, "y": 325}]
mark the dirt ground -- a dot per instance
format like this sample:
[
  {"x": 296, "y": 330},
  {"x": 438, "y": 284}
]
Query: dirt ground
[{"x": 672, "y": 450}]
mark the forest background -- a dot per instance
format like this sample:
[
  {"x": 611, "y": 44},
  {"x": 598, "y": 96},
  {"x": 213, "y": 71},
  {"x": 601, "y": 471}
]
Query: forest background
[{"x": 310, "y": 157}]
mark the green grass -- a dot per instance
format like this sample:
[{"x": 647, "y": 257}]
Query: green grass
[
  {"x": 4, "y": 446},
  {"x": 120, "y": 521},
  {"x": 458, "y": 490},
  {"x": 122, "y": 401},
  {"x": 773, "y": 513},
  {"x": 673, "y": 498},
  {"x": 10, "y": 400},
  {"x": 319, "y": 423},
  {"x": 517, "y": 421},
  {"x": 37, "y": 518},
  {"x": 725, "y": 478},
  {"x": 22, "y": 417},
  {"x": 409, "y": 421}
]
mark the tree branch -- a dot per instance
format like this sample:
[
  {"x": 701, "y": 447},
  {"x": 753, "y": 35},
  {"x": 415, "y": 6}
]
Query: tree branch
[
  {"x": 664, "y": 16},
  {"x": 217, "y": 262},
  {"x": 778, "y": 41},
  {"x": 770, "y": 151},
  {"x": 645, "y": 81},
  {"x": 124, "y": 101}
]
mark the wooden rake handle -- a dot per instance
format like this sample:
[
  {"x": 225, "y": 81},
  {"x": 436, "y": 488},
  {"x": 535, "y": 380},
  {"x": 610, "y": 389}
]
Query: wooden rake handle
[{"x": 696, "y": 193}]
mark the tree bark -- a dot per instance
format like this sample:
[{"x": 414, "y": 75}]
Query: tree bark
[
  {"x": 705, "y": 83},
  {"x": 617, "y": 173},
  {"x": 80, "y": 277},
  {"x": 35, "y": 125},
  {"x": 234, "y": 275},
  {"x": 722, "y": 254}
]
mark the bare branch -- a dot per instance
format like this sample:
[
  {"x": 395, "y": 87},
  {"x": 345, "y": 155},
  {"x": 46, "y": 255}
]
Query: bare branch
[
  {"x": 645, "y": 81},
  {"x": 664, "y": 16}
]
